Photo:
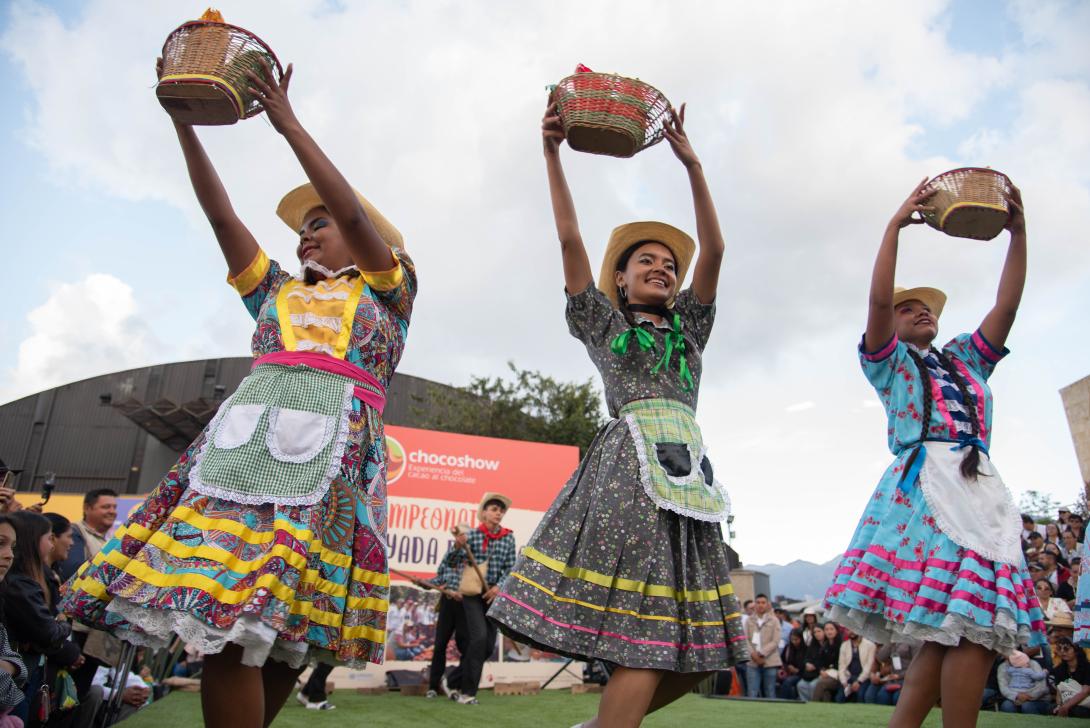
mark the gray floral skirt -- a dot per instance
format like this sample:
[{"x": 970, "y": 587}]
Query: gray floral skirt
[{"x": 609, "y": 575}]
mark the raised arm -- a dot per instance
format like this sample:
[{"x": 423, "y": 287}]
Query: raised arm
[
  {"x": 365, "y": 245},
  {"x": 710, "y": 238},
  {"x": 237, "y": 243},
  {"x": 577, "y": 272},
  {"x": 880, "y": 309},
  {"x": 997, "y": 324}
]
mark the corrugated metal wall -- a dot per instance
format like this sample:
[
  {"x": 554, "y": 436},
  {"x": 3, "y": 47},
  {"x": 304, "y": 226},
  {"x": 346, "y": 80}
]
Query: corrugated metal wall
[{"x": 76, "y": 433}]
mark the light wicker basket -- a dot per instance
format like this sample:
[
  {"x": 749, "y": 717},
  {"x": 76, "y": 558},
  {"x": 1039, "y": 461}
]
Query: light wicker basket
[
  {"x": 970, "y": 202},
  {"x": 604, "y": 113},
  {"x": 204, "y": 73}
]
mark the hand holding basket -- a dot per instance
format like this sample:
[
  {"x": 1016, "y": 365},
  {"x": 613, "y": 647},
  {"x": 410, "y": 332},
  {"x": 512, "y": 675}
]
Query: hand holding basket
[
  {"x": 604, "y": 113},
  {"x": 971, "y": 202}
]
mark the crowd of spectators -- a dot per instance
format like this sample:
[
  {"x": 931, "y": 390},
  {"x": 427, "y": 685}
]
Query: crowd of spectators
[{"x": 53, "y": 673}]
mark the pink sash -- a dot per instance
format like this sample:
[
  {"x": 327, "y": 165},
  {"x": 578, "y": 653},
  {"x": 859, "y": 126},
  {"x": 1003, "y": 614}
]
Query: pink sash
[{"x": 369, "y": 390}]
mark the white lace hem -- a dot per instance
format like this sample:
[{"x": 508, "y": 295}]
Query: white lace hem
[
  {"x": 1003, "y": 637},
  {"x": 307, "y": 499},
  {"x": 697, "y": 474}
]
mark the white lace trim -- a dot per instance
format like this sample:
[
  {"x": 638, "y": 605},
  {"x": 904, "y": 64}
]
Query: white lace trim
[
  {"x": 1003, "y": 637},
  {"x": 307, "y": 320},
  {"x": 319, "y": 268},
  {"x": 1003, "y": 546},
  {"x": 697, "y": 473},
  {"x": 307, "y": 345},
  {"x": 273, "y": 436},
  {"x": 307, "y": 499}
]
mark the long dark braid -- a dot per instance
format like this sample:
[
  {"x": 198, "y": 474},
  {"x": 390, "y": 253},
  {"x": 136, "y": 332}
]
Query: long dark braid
[
  {"x": 970, "y": 464},
  {"x": 928, "y": 406}
]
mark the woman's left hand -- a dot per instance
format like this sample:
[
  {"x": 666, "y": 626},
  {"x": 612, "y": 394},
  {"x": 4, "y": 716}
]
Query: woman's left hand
[
  {"x": 273, "y": 97},
  {"x": 1016, "y": 221},
  {"x": 674, "y": 130}
]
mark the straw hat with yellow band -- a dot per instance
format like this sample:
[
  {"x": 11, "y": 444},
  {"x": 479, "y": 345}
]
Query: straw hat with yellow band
[
  {"x": 296, "y": 204},
  {"x": 683, "y": 248},
  {"x": 933, "y": 298},
  {"x": 627, "y": 235}
]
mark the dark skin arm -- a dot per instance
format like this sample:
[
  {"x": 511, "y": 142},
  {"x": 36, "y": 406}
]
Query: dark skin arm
[
  {"x": 366, "y": 247},
  {"x": 997, "y": 324},
  {"x": 236, "y": 241}
]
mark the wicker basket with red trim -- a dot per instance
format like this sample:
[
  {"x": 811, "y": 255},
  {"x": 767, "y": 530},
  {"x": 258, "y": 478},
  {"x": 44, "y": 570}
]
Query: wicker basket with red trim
[
  {"x": 204, "y": 78},
  {"x": 604, "y": 113},
  {"x": 970, "y": 202}
]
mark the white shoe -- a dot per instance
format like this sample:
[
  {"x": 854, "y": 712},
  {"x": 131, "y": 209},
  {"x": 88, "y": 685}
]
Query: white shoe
[
  {"x": 447, "y": 690},
  {"x": 323, "y": 705},
  {"x": 467, "y": 700},
  {"x": 431, "y": 695}
]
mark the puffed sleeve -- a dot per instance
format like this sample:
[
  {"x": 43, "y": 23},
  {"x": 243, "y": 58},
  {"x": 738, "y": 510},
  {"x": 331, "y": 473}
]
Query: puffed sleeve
[
  {"x": 395, "y": 288},
  {"x": 255, "y": 283},
  {"x": 977, "y": 352},
  {"x": 590, "y": 315},
  {"x": 696, "y": 317},
  {"x": 879, "y": 366}
]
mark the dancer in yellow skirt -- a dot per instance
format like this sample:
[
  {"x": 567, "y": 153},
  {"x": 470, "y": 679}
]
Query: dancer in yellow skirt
[{"x": 264, "y": 546}]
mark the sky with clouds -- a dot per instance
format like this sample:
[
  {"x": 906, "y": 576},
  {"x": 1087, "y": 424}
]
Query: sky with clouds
[{"x": 813, "y": 120}]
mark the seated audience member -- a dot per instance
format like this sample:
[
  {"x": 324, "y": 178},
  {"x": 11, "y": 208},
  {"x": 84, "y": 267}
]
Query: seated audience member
[
  {"x": 815, "y": 660},
  {"x": 13, "y": 673},
  {"x": 1024, "y": 685},
  {"x": 1057, "y": 574},
  {"x": 1069, "y": 545},
  {"x": 135, "y": 694},
  {"x": 30, "y": 608},
  {"x": 1034, "y": 545},
  {"x": 1052, "y": 534},
  {"x": 856, "y": 660},
  {"x": 1072, "y": 679},
  {"x": 827, "y": 686},
  {"x": 888, "y": 674},
  {"x": 809, "y": 621},
  {"x": 1029, "y": 527},
  {"x": 794, "y": 665},
  {"x": 1050, "y": 604},
  {"x": 786, "y": 625}
]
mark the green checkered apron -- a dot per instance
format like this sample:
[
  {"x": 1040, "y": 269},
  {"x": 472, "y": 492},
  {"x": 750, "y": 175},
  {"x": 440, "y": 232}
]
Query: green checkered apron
[
  {"x": 674, "y": 468},
  {"x": 278, "y": 439}
]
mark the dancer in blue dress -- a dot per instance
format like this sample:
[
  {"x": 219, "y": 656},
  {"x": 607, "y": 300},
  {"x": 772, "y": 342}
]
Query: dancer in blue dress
[{"x": 937, "y": 555}]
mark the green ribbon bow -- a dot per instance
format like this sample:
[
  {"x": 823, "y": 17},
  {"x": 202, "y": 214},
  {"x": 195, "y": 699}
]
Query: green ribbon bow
[{"x": 644, "y": 340}]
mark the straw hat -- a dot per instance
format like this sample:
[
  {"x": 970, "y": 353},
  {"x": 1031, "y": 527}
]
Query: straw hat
[
  {"x": 1062, "y": 619},
  {"x": 932, "y": 297},
  {"x": 296, "y": 204},
  {"x": 624, "y": 236},
  {"x": 492, "y": 496}
]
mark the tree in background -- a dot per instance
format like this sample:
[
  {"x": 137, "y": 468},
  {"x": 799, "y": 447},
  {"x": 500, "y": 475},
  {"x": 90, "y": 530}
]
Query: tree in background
[
  {"x": 1042, "y": 506},
  {"x": 528, "y": 406}
]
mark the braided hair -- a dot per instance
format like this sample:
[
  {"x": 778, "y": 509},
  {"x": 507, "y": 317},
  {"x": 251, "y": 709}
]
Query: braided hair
[{"x": 970, "y": 464}]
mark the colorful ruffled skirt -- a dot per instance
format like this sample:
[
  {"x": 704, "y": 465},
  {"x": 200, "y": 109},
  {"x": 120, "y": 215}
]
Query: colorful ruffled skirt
[
  {"x": 610, "y": 575},
  {"x": 903, "y": 579},
  {"x": 286, "y": 576}
]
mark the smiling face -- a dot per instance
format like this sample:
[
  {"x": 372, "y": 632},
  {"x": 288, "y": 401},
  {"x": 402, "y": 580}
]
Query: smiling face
[
  {"x": 320, "y": 241},
  {"x": 649, "y": 276},
  {"x": 61, "y": 546},
  {"x": 915, "y": 323}
]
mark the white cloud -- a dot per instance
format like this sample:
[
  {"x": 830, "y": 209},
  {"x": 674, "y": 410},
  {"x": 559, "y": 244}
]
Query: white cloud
[
  {"x": 82, "y": 329},
  {"x": 800, "y": 406}
]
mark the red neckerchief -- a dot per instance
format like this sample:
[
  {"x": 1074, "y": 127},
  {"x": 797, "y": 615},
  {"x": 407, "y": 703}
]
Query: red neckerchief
[{"x": 489, "y": 536}]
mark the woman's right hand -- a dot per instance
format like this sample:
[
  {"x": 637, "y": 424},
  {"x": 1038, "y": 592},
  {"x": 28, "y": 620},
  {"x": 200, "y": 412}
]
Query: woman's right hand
[
  {"x": 904, "y": 215},
  {"x": 552, "y": 130}
]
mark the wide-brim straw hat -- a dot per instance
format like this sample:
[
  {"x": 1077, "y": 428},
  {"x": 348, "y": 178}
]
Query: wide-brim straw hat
[
  {"x": 932, "y": 297},
  {"x": 296, "y": 204},
  {"x": 627, "y": 235},
  {"x": 1062, "y": 619},
  {"x": 489, "y": 497}
]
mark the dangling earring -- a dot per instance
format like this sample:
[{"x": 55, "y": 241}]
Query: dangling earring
[{"x": 622, "y": 292}]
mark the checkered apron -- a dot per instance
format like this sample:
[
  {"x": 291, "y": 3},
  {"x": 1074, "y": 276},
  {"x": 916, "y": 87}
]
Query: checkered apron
[
  {"x": 278, "y": 439},
  {"x": 674, "y": 467}
]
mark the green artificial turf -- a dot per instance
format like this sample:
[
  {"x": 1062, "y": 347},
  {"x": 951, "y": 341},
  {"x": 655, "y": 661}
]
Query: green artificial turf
[{"x": 552, "y": 708}]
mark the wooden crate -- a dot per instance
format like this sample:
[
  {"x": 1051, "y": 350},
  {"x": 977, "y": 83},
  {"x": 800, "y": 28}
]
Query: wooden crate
[
  {"x": 376, "y": 690},
  {"x": 586, "y": 688},
  {"x": 420, "y": 689},
  {"x": 516, "y": 688}
]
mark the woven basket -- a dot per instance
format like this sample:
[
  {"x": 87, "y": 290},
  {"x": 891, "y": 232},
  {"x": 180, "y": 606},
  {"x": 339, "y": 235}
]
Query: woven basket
[
  {"x": 604, "y": 113},
  {"x": 204, "y": 73},
  {"x": 969, "y": 203}
]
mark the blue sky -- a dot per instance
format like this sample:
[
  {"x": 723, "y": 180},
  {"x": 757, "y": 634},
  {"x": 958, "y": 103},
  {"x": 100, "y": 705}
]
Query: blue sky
[{"x": 813, "y": 123}]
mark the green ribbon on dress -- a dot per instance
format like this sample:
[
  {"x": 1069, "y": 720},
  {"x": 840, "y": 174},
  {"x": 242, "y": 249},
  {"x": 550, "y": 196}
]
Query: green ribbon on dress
[{"x": 645, "y": 341}]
